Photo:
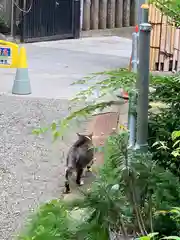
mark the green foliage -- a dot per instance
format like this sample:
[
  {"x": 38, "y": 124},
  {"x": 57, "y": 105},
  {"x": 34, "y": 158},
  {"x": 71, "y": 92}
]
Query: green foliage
[
  {"x": 148, "y": 236},
  {"x": 176, "y": 145},
  {"x": 103, "y": 82},
  {"x": 131, "y": 187},
  {"x": 167, "y": 120},
  {"x": 174, "y": 215},
  {"x": 49, "y": 223},
  {"x": 170, "y": 8}
]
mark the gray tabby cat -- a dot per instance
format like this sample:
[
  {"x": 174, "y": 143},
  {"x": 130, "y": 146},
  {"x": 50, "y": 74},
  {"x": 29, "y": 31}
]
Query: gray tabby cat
[{"x": 80, "y": 156}]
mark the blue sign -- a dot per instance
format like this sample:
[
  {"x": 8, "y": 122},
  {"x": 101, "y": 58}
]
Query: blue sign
[
  {"x": 5, "y": 55},
  {"x": 5, "y": 52}
]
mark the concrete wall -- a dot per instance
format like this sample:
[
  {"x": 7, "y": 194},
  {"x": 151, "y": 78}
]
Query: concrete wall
[{"x": 107, "y": 14}]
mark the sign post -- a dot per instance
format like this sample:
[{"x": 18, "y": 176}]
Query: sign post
[{"x": 11, "y": 56}]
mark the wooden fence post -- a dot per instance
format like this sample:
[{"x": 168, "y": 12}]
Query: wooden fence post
[
  {"x": 178, "y": 57},
  {"x": 127, "y": 13},
  {"x": 102, "y": 14},
  {"x": 119, "y": 14},
  {"x": 176, "y": 46},
  {"x": 111, "y": 13},
  {"x": 94, "y": 14},
  {"x": 86, "y": 15},
  {"x": 133, "y": 13}
]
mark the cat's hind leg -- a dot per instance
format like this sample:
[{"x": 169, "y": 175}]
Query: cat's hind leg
[
  {"x": 89, "y": 169},
  {"x": 68, "y": 173},
  {"x": 79, "y": 181}
]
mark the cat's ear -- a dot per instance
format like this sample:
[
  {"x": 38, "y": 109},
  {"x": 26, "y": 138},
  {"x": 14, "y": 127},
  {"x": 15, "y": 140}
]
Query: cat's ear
[
  {"x": 78, "y": 134},
  {"x": 90, "y": 135}
]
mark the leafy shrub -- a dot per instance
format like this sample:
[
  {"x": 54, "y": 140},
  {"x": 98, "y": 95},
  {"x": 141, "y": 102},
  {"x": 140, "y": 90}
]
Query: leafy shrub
[
  {"x": 144, "y": 185},
  {"x": 49, "y": 223},
  {"x": 131, "y": 187},
  {"x": 174, "y": 215},
  {"x": 167, "y": 120}
]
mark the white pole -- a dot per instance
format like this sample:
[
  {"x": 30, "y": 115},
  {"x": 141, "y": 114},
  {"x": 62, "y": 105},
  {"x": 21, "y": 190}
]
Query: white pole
[{"x": 82, "y": 8}]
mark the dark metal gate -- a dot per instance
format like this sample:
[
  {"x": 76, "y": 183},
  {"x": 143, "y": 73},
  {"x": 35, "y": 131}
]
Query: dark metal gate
[{"x": 46, "y": 20}]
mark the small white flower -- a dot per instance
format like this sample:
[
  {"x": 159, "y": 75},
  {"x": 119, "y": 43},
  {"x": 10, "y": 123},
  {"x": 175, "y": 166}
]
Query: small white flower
[{"x": 115, "y": 187}]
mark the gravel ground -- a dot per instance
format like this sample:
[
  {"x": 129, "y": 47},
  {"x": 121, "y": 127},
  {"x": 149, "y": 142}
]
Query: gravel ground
[{"x": 31, "y": 167}]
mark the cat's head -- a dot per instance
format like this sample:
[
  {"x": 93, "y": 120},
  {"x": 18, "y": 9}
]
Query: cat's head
[{"x": 86, "y": 137}]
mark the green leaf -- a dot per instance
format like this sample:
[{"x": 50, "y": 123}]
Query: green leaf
[
  {"x": 176, "y": 153},
  {"x": 162, "y": 145},
  {"x": 175, "y": 135},
  {"x": 151, "y": 235},
  {"x": 40, "y": 130},
  {"x": 53, "y": 126},
  {"x": 36, "y": 131},
  {"x": 176, "y": 143},
  {"x": 175, "y": 210},
  {"x": 56, "y": 135},
  {"x": 144, "y": 238},
  {"x": 172, "y": 237}
]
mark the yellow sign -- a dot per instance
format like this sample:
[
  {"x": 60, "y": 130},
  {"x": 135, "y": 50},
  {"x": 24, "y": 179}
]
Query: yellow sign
[{"x": 8, "y": 54}]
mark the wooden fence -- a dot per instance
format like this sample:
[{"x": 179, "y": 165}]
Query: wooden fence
[
  {"x": 102, "y": 14},
  {"x": 165, "y": 43}
]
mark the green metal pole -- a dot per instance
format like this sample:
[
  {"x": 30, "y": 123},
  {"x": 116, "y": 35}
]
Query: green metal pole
[
  {"x": 139, "y": 3},
  {"x": 143, "y": 87},
  {"x": 145, "y": 13}
]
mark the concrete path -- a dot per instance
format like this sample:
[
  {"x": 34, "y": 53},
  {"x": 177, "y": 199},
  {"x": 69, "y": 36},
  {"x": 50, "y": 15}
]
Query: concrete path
[{"x": 53, "y": 66}]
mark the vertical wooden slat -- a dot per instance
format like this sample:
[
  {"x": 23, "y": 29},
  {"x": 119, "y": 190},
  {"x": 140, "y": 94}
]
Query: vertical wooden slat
[
  {"x": 151, "y": 20},
  {"x": 119, "y": 13},
  {"x": 86, "y": 15},
  {"x": 102, "y": 14},
  {"x": 178, "y": 57},
  {"x": 155, "y": 39},
  {"x": 165, "y": 42},
  {"x": 173, "y": 29},
  {"x": 150, "y": 13},
  {"x": 153, "y": 44},
  {"x": 94, "y": 14},
  {"x": 151, "y": 36},
  {"x": 167, "y": 47},
  {"x": 111, "y": 13},
  {"x": 162, "y": 42},
  {"x": 172, "y": 47},
  {"x": 132, "y": 13},
  {"x": 158, "y": 34},
  {"x": 127, "y": 8},
  {"x": 175, "y": 52},
  {"x": 159, "y": 38}
]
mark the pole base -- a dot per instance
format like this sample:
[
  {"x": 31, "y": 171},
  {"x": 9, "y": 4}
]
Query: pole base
[{"x": 141, "y": 147}]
